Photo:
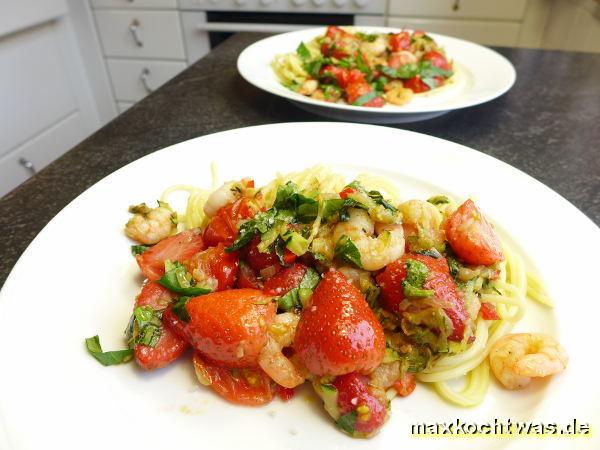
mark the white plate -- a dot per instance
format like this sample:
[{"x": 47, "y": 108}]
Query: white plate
[
  {"x": 481, "y": 75},
  {"x": 77, "y": 279}
]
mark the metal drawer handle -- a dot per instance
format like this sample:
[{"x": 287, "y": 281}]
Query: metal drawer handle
[
  {"x": 28, "y": 165},
  {"x": 456, "y": 5},
  {"x": 134, "y": 27},
  {"x": 144, "y": 77}
]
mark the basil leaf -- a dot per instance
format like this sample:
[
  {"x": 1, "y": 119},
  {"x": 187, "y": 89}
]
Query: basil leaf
[
  {"x": 293, "y": 298},
  {"x": 180, "y": 310},
  {"x": 314, "y": 67},
  {"x": 289, "y": 300},
  {"x": 303, "y": 51},
  {"x": 367, "y": 37},
  {"x": 365, "y": 98},
  {"x": 346, "y": 63},
  {"x": 178, "y": 280},
  {"x": 416, "y": 274},
  {"x": 432, "y": 252},
  {"x": 310, "y": 279},
  {"x": 406, "y": 71},
  {"x": 335, "y": 206},
  {"x": 149, "y": 325},
  {"x": 430, "y": 82},
  {"x": 347, "y": 421},
  {"x": 139, "y": 249},
  {"x": 304, "y": 208},
  {"x": 428, "y": 70},
  {"x": 347, "y": 251},
  {"x": 260, "y": 224},
  {"x": 107, "y": 358},
  {"x": 453, "y": 266},
  {"x": 378, "y": 199},
  {"x": 411, "y": 291},
  {"x": 362, "y": 65},
  {"x": 438, "y": 200}
]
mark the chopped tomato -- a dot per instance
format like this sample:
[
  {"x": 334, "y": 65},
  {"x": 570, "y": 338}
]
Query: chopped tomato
[
  {"x": 223, "y": 227},
  {"x": 406, "y": 385},
  {"x": 180, "y": 247},
  {"x": 229, "y": 328},
  {"x": 339, "y": 73},
  {"x": 250, "y": 387},
  {"x": 488, "y": 311},
  {"x": 286, "y": 280},
  {"x": 355, "y": 90},
  {"x": 154, "y": 295},
  {"x": 259, "y": 260},
  {"x": 169, "y": 346},
  {"x": 400, "y": 41},
  {"x": 344, "y": 193},
  {"x": 216, "y": 264},
  {"x": 416, "y": 85},
  {"x": 354, "y": 395},
  {"x": 472, "y": 237},
  {"x": 377, "y": 102},
  {"x": 356, "y": 76},
  {"x": 248, "y": 278},
  {"x": 333, "y": 50},
  {"x": 285, "y": 394},
  {"x": 437, "y": 60},
  {"x": 338, "y": 332},
  {"x": 445, "y": 294}
]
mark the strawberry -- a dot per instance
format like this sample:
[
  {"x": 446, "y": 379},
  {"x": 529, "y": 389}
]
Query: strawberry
[
  {"x": 229, "y": 328},
  {"x": 338, "y": 333}
]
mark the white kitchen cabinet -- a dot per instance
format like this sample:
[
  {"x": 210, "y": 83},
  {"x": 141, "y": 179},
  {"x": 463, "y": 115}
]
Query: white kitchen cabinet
[
  {"x": 134, "y": 79},
  {"x": 141, "y": 34},
  {"x": 47, "y": 105},
  {"x": 460, "y": 9},
  {"x": 133, "y": 4}
]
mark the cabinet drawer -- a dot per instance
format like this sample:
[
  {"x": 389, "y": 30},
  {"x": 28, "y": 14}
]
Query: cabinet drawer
[
  {"x": 480, "y": 31},
  {"x": 41, "y": 150},
  {"x": 141, "y": 34},
  {"x": 131, "y": 4},
  {"x": 462, "y": 9},
  {"x": 133, "y": 80}
]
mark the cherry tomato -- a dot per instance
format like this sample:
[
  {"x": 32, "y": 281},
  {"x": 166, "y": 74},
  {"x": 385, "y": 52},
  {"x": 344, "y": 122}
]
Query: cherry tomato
[
  {"x": 400, "y": 41},
  {"x": 340, "y": 74},
  {"x": 250, "y": 387},
  {"x": 180, "y": 247},
  {"x": 223, "y": 227},
  {"x": 346, "y": 192},
  {"x": 488, "y": 311},
  {"x": 377, "y": 102},
  {"x": 285, "y": 394},
  {"x": 259, "y": 260},
  {"x": 217, "y": 264},
  {"x": 437, "y": 60},
  {"x": 284, "y": 281},
  {"x": 355, "y": 90},
  {"x": 154, "y": 295},
  {"x": 248, "y": 278},
  {"x": 472, "y": 237},
  {"x": 416, "y": 85},
  {"x": 229, "y": 327}
]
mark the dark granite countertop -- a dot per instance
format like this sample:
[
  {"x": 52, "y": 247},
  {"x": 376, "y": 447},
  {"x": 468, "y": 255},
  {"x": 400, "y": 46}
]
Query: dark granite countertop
[{"x": 548, "y": 125}]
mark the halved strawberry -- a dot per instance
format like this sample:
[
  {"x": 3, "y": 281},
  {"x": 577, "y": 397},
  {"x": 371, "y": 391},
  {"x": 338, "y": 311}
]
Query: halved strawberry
[{"x": 338, "y": 333}]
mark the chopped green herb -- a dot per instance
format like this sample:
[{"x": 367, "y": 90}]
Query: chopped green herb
[
  {"x": 177, "y": 279},
  {"x": 438, "y": 200},
  {"x": 180, "y": 310},
  {"x": 416, "y": 274},
  {"x": 139, "y": 249},
  {"x": 378, "y": 199},
  {"x": 347, "y": 251},
  {"x": 149, "y": 325},
  {"x": 107, "y": 358},
  {"x": 347, "y": 422},
  {"x": 303, "y": 51},
  {"x": 432, "y": 252},
  {"x": 293, "y": 298},
  {"x": 362, "y": 65},
  {"x": 365, "y": 98}
]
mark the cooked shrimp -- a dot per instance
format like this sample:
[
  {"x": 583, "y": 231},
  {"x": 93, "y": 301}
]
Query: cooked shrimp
[
  {"x": 271, "y": 358},
  {"x": 308, "y": 87},
  {"x": 221, "y": 197},
  {"x": 148, "y": 225},
  {"x": 422, "y": 223},
  {"x": 375, "y": 48},
  {"x": 399, "y": 96},
  {"x": 406, "y": 57},
  {"x": 378, "y": 251},
  {"x": 517, "y": 358}
]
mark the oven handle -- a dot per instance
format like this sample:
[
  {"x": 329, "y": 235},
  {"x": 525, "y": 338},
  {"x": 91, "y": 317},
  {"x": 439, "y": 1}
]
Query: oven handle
[{"x": 234, "y": 27}]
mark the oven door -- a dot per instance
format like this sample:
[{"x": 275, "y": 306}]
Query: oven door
[{"x": 205, "y": 30}]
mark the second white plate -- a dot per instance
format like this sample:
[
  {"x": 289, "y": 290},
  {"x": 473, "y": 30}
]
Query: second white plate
[{"x": 481, "y": 75}]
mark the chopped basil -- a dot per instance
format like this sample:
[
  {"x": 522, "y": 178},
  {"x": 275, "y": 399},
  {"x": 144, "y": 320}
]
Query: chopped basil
[
  {"x": 432, "y": 252},
  {"x": 362, "y": 65},
  {"x": 438, "y": 200},
  {"x": 416, "y": 274},
  {"x": 453, "y": 266},
  {"x": 391, "y": 355},
  {"x": 347, "y": 421},
  {"x": 304, "y": 208},
  {"x": 378, "y": 199},
  {"x": 335, "y": 206},
  {"x": 347, "y": 251},
  {"x": 259, "y": 224},
  {"x": 314, "y": 67},
  {"x": 303, "y": 51},
  {"x": 177, "y": 279},
  {"x": 294, "y": 297},
  {"x": 149, "y": 325},
  {"x": 365, "y": 98},
  {"x": 380, "y": 83},
  {"x": 328, "y": 388},
  {"x": 180, "y": 310},
  {"x": 107, "y": 358},
  {"x": 367, "y": 37},
  {"x": 346, "y": 63},
  {"x": 406, "y": 71},
  {"x": 139, "y": 249}
]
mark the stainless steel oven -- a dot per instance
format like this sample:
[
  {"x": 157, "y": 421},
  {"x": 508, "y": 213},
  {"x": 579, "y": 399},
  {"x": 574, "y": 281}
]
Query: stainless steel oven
[{"x": 206, "y": 23}]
